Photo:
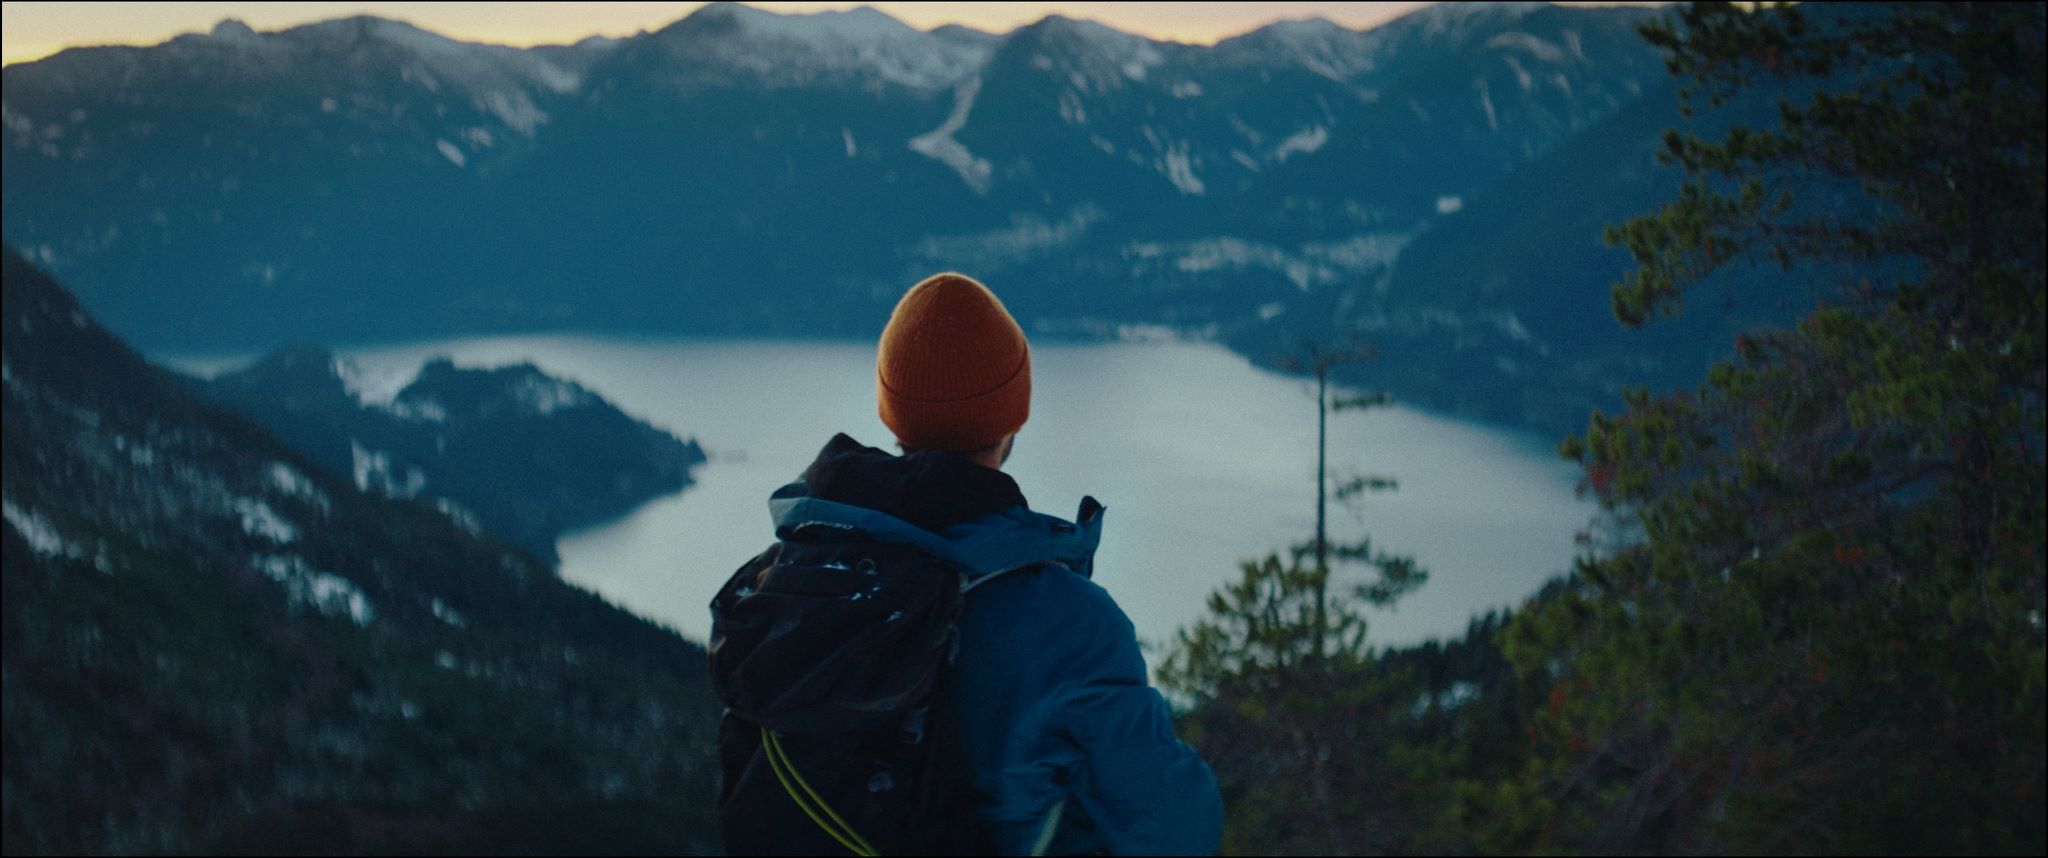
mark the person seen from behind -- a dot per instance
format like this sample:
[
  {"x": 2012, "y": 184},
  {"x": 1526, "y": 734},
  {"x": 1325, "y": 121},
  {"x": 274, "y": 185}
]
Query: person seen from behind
[{"x": 922, "y": 663}]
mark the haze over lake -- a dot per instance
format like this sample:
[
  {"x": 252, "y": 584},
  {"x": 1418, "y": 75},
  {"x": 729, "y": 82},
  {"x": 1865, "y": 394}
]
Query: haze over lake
[{"x": 1202, "y": 460}]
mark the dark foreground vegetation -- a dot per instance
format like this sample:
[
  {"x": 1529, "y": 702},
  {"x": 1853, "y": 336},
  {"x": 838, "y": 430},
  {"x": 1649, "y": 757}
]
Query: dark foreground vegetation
[{"x": 1809, "y": 617}]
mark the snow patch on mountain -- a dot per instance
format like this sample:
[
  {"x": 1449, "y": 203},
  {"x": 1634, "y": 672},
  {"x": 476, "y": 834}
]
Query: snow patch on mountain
[
  {"x": 1027, "y": 237},
  {"x": 1180, "y": 170},
  {"x": 1072, "y": 110},
  {"x": 379, "y": 388},
  {"x": 515, "y": 109},
  {"x": 16, "y": 124},
  {"x": 1302, "y": 142},
  {"x": 1575, "y": 43},
  {"x": 447, "y": 614},
  {"x": 1306, "y": 266},
  {"x": 938, "y": 144},
  {"x": 289, "y": 482},
  {"x": 325, "y": 592},
  {"x": 451, "y": 152},
  {"x": 1225, "y": 253},
  {"x": 422, "y": 409},
  {"x": 461, "y": 515},
  {"x": 539, "y": 394},
  {"x": 373, "y": 473},
  {"x": 258, "y": 519},
  {"x": 42, "y": 536},
  {"x": 1519, "y": 41},
  {"x": 1522, "y": 76},
  {"x": 140, "y": 455}
]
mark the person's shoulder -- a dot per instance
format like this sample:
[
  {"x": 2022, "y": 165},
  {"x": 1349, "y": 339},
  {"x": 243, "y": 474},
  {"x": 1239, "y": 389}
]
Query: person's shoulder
[
  {"x": 1062, "y": 594},
  {"x": 1069, "y": 623}
]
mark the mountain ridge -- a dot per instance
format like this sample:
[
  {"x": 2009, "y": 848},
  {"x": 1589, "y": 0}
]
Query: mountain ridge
[
  {"x": 791, "y": 185},
  {"x": 513, "y": 450}
]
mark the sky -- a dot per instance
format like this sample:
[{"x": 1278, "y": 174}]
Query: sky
[{"x": 32, "y": 30}]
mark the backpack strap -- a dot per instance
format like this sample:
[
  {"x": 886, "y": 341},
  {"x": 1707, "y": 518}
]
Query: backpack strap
[
  {"x": 966, "y": 585},
  {"x": 1047, "y": 829},
  {"x": 834, "y": 825}
]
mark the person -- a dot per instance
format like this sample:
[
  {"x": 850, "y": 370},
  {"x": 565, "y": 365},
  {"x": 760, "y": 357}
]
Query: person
[{"x": 1069, "y": 750}]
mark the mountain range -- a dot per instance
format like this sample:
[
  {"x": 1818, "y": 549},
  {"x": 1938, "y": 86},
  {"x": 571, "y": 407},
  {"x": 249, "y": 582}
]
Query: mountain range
[{"x": 740, "y": 172}]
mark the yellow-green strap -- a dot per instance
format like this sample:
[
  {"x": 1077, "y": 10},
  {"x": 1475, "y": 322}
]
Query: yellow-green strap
[
  {"x": 775, "y": 744},
  {"x": 1047, "y": 830},
  {"x": 806, "y": 808},
  {"x": 785, "y": 772}
]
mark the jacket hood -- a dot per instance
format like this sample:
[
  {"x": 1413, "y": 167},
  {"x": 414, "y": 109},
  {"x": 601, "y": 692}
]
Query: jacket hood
[{"x": 972, "y": 517}]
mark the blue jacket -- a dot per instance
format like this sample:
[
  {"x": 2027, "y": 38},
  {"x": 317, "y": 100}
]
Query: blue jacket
[{"x": 1071, "y": 748}]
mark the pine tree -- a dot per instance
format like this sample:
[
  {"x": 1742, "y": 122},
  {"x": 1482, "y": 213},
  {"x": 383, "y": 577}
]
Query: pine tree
[
  {"x": 1821, "y": 627},
  {"x": 1291, "y": 707}
]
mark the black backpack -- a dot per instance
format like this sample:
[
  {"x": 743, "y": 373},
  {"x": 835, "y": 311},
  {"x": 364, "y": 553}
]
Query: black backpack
[{"x": 831, "y": 653}]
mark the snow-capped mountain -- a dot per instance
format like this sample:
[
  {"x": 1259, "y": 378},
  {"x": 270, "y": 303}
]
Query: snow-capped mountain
[
  {"x": 741, "y": 171},
  {"x": 736, "y": 45},
  {"x": 521, "y": 453},
  {"x": 378, "y": 76}
]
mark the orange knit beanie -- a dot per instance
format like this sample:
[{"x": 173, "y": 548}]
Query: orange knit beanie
[{"x": 953, "y": 371}]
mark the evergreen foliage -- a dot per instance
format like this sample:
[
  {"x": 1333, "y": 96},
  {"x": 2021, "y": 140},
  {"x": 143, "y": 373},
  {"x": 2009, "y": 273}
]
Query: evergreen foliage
[
  {"x": 1819, "y": 625},
  {"x": 1280, "y": 671},
  {"x": 1277, "y": 722},
  {"x": 1809, "y": 618},
  {"x": 1359, "y": 752}
]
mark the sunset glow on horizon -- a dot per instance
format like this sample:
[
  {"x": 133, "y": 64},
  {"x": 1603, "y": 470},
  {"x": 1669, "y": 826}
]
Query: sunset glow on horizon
[
  {"x": 36, "y": 30},
  {"x": 33, "y": 30}
]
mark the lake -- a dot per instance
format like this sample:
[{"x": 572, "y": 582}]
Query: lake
[{"x": 1202, "y": 459}]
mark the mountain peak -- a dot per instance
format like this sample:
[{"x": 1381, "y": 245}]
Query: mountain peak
[
  {"x": 964, "y": 35},
  {"x": 504, "y": 78},
  {"x": 858, "y": 22},
  {"x": 232, "y": 28},
  {"x": 355, "y": 27},
  {"x": 1094, "y": 57},
  {"x": 1439, "y": 18},
  {"x": 1317, "y": 25},
  {"x": 1084, "y": 37},
  {"x": 808, "y": 48},
  {"x": 1083, "y": 27},
  {"x": 1317, "y": 44}
]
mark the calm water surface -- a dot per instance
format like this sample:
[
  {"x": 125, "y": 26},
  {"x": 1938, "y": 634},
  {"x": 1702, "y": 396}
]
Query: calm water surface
[{"x": 1202, "y": 460}]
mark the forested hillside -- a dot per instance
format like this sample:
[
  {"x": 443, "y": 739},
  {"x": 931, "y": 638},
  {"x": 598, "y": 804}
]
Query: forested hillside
[
  {"x": 212, "y": 644},
  {"x": 1809, "y": 618}
]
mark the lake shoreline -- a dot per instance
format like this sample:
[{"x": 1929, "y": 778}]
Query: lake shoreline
[{"x": 1204, "y": 460}]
